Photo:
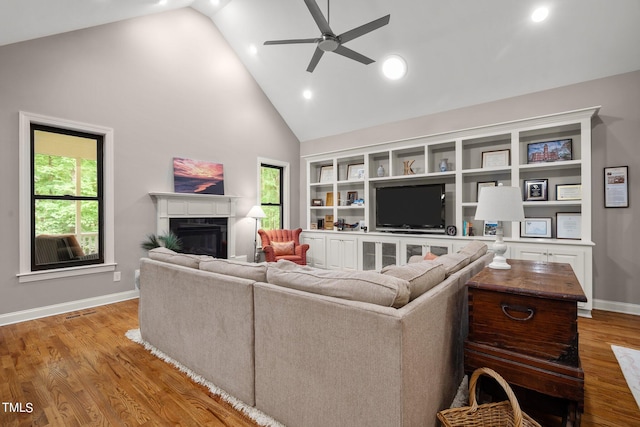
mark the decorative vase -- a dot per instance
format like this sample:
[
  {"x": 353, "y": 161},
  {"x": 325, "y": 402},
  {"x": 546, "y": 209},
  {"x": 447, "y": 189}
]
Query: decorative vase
[
  {"x": 380, "y": 170},
  {"x": 443, "y": 165}
]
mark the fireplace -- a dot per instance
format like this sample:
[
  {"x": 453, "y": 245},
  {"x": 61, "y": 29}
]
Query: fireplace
[
  {"x": 201, "y": 236},
  {"x": 206, "y": 223}
]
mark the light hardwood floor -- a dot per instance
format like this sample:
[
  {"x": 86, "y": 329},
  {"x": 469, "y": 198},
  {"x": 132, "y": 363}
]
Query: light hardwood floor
[{"x": 79, "y": 369}]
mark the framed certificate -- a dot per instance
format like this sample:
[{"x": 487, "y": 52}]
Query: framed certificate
[
  {"x": 568, "y": 225},
  {"x": 497, "y": 158},
  {"x": 569, "y": 192},
  {"x": 535, "y": 227}
]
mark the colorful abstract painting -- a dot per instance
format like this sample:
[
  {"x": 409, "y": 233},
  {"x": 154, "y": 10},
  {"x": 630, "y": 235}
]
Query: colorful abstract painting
[{"x": 194, "y": 176}]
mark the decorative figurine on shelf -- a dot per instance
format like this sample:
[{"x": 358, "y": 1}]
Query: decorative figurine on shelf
[
  {"x": 408, "y": 169},
  {"x": 380, "y": 170},
  {"x": 444, "y": 165}
]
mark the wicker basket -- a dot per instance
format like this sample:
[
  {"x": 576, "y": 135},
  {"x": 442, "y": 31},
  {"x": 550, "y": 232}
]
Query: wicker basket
[{"x": 501, "y": 414}]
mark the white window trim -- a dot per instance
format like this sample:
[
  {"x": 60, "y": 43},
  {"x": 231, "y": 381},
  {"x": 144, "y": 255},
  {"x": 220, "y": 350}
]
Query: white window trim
[
  {"x": 286, "y": 187},
  {"x": 25, "y": 274}
]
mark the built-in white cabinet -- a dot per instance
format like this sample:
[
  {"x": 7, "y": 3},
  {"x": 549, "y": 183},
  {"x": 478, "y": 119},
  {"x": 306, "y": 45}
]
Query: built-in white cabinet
[
  {"x": 548, "y": 157},
  {"x": 316, "y": 255},
  {"x": 377, "y": 252},
  {"x": 342, "y": 252}
]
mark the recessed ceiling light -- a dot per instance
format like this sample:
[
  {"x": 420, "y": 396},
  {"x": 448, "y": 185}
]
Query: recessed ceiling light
[
  {"x": 215, "y": 2},
  {"x": 253, "y": 50},
  {"x": 394, "y": 67},
  {"x": 307, "y": 94},
  {"x": 540, "y": 14}
]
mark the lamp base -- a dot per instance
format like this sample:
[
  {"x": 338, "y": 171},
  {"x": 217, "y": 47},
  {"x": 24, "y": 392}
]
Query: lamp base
[{"x": 499, "y": 248}]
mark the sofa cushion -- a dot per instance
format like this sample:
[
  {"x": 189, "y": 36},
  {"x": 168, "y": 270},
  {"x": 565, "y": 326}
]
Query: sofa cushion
[
  {"x": 421, "y": 276},
  {"x": 362, "y": 286},
  {"x": 453, "y": 262},
  {"x": 245, "y": 270},
  {"x": 474, "y": 249},
  {"x": 283, "y": 248},
  {"x": 173, "y": 257}
]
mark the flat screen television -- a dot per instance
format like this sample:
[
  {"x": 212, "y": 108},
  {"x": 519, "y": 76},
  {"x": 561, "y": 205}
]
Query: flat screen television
[{"x": 418, "y": 208}]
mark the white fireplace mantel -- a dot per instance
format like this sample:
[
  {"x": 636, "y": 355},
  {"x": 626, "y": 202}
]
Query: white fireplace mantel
[{"x": 188, "y": 205}]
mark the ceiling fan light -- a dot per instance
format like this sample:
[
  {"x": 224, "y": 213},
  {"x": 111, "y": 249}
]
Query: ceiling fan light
[{"x": 394, "y": 67}]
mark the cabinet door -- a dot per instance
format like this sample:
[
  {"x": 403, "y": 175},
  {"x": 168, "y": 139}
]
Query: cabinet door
[
  {"x": 369, "y": 255},
  {"x": 316, "y": 256},
  {"x": 575, "y": 258},
  {"x": 388, "y": 254},
  {"x": 349, "y": 254},
  {"x": 342, "y": 253},
  {"x": 530, "y": 254},
  {"x": 413, "y": 249}
]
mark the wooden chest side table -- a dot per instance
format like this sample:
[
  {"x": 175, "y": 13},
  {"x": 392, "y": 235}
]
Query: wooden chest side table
[{"x": 523, "y": 324}]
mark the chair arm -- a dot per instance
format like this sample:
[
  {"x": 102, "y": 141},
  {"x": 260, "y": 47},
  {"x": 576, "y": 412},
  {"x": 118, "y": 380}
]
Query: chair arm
[
  {"x": 269, "y": 254},
  {"x": 301, "y": 251}
]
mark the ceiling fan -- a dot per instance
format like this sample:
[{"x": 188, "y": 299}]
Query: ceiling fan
[{"x": 329, "y": 41}]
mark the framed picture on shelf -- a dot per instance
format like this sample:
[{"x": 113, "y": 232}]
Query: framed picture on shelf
[
  {"x": 490, "y": 227},
  {"x": 536, "y": 190},
  {"x": 482, "y": 184},
  {"x": 316, "y": 202},
  {"x": 326, "y": 174},
  {"x": 549, "y": 151},
  {"x": 329, "y": 199},
  {"x": 497, "y": 158},
  {"x": 535, "y": 227},
  {"x": 328, "y": 222},
  {"x": 568, "y": 225},
  {"x": 616, "y": 187},
  {"x": 355, "y": 171},
  {"x": 313, "y": 226},
  {"x": 569, "y": 192},
  {"x": 352, "y": 196}
]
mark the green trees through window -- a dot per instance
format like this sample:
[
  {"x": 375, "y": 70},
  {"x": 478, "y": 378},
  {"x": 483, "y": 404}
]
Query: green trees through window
[{"x": 271, "y": 197}]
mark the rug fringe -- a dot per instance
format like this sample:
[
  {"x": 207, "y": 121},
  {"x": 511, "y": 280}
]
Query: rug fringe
[{"x": 255, "y": 414}]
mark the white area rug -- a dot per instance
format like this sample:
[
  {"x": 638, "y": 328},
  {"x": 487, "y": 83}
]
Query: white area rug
[
  {"x": 629, "y": 361},
  {"x": 256, "y": 415}
]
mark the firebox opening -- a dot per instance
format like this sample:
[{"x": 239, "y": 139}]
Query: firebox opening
[{"x": 201, "y": 236}]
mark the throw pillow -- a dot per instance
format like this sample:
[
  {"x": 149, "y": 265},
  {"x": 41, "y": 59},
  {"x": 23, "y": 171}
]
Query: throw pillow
[
  {"x": 430, "y": 256},
  {"x": 421, "y": 276},
  {"x": 283, "y": 248},
  {"x": 453, "y": 262}
]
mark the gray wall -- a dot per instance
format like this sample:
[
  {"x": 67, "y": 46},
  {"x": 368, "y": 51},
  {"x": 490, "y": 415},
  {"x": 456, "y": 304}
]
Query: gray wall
[
  {"x": 616, "y": 142},
  {"x": 169, "y": 85}
]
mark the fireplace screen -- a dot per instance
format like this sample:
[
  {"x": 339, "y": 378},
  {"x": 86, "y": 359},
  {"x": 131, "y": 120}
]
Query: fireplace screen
[{"x": 201, "y": 236}]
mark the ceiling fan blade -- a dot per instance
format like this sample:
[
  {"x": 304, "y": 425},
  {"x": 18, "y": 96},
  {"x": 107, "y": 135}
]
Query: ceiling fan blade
[
  {"x": 364, "y": 29},
  {"x": 292, "y": 41},
  {"x": 315, "y": 59},
  {"x": 344, "y": 51},
  {"x": 317, "y": 15}
]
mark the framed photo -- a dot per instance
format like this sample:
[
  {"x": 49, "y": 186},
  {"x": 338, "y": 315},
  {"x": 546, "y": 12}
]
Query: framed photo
[
  {"x": 313, "y": 226},
  {"x": 535, "y": 227},
  {"x": 568, "y": 225},
  {"x": 549, "y": 151},
  {"x": 316, "y": 202},
  {"x": 569, "y": 192},
  {"x": 616, "y": 187},
  {"x": 490, "y": 227},
  {"x": 328, "y": 222},
  {"x": 326, "y": 173},
  {"x": 535, "y": 190},
  {"x": 352, "y": 196},
  {"x": 482, "y": 184},
  {"x": 497, "y": 158},
  {"x": 355, "y": 171}
]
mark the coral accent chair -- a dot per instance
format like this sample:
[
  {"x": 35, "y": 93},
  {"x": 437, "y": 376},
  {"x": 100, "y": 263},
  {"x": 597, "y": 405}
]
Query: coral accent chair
[{"x": 283, "y": 244}]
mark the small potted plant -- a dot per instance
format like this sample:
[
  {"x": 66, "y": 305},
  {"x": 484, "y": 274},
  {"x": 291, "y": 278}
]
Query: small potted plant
[{"x": 168, "y": 240}]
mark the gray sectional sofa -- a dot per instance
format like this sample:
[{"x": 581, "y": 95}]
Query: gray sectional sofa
[{"x": 314, "y": 347}]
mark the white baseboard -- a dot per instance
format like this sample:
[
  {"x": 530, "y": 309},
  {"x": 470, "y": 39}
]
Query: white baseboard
[
  {"x": 618, "y": 307},
  {"x": 50, "y": 310}
]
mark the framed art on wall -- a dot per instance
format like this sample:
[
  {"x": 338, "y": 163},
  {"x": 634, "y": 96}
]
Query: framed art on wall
[{"x": 616, "y": 187}]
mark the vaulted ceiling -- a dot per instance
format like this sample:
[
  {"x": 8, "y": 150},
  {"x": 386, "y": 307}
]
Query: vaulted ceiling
[{"x": 459, "y": 52}]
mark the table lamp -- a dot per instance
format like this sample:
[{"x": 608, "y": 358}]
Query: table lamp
[
  {"x": 500, "y": 204},
  {"x": 256, "y": 213}
]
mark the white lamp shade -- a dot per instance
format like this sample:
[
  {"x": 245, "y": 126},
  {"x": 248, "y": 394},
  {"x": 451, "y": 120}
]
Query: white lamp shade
[
  {"x": 500, "y": 204},
  {"x": 256, "y": 212}
]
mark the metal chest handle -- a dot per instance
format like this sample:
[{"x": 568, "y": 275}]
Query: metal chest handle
[{"x": 518, "y": 308}]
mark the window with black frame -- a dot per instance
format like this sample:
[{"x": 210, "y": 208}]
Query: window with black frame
[
  {"x": 271, "y": 196},
  {"x": 66, "y": 198}
]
